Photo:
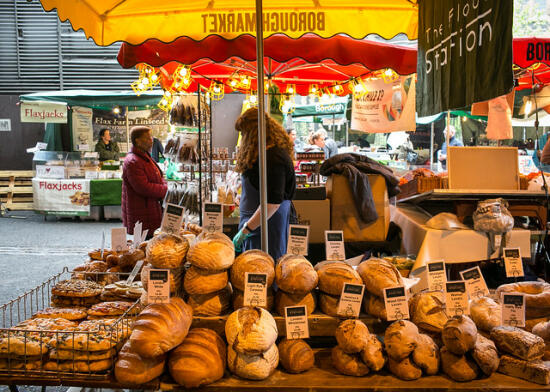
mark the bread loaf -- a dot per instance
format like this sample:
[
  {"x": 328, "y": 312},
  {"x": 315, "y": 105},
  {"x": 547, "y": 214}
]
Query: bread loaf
[
  {"x": 238, "y": 299},
  {"x": 426, "y": 355},
  {"x": 542, "y": 330},
  {"x": 427, "y": 310},
  {"x": 254, "y": 261},
  {"x": 375, "y": 306},
  {"x": 130, "y": 258},
  {"x": 133, "y": 369},
  {"x": 518, "y": 342},
  {"x": 404, "y": 369},
  {"x": 458, "y": 367},
  {"x": 295, "y": 355},
  {"x": 348, "y": 364},
  {"x": 199, "y": 281},
  {"x": 166, "y": 251},
  {"x": 332, "y": 277},
  {"x": 535, "y": 371},
  {"x": 295, "y": 275},
  {"x": 250, "y": 330},
  {"x": 352, "y": 336},
  {"x": 485, "y": 313},
  {"x": 459, "y": 335},
  {"x": 161, "y": 327},
  {"x": 283, "y": 299},
  {"x": 175, "y": 277},
  {"x": 254, "y": 367},
  {"x": 329, "y": 304},
  {"x": 530, "y": 323},
  {"x": 378, "y": 274},
  {"x": 213, "y": 304},
  {"x": 400, "y": 339},
  {"x": 536, "y": 294},
  {"x": 486, "y": 355},
  {"x": 212, "y": 252},
  {"x": 373, "y": 353},
  {"x": 199, "y": 360}
]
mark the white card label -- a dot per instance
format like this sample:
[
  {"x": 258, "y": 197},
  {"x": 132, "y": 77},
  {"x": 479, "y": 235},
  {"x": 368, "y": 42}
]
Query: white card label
[
  {"x": 456, "y": 298},
  {"x": 91, "y": 174},
  {"x": 172, "y": 219},
  {"x": 83, "y": 147},
  {"x": 350, "y": 300},
  {"x": 118, "y": 239},
  {"x": 297, "y": 326},
  {"x": 255, "y": 289},
  {"x": 334, "y": 245},
  {"x": 396, "y": 303},
  {"x": 137, "y": 234},
  {"x": 298, "y": 240},
  {"x": 513, "y": 310},
  {"x": 90, "y": 154},
  {"x": 437, "y": 276},
  {"x": 102, "y": 243},
  {"x": 158, "y": 286},
  {"x": 212, "y": 217},
  {"x": 475, "y": 283},
  {"x": 134, "y": 272},
  {"x": 512, "y": 263}
]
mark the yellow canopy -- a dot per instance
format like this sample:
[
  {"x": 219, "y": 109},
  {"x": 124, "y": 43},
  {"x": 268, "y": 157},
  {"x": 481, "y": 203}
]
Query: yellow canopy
[{"x": 134, "y": 21}]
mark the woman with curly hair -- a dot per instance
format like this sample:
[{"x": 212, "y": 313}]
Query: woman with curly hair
[{"x": 281, "y": 184}]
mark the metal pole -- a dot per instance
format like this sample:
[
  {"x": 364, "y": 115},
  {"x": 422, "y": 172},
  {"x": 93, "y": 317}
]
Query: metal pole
[
  {"x": 261, "y": 120},
  {"x": 128, "y": 148},
  {"x": 432, "y": 146}
]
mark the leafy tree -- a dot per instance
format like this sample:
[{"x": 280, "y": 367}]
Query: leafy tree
[{"x": 531, "y": 18}]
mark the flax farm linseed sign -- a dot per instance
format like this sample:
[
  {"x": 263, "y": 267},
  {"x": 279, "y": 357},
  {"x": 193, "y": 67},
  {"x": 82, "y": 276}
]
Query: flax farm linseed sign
[{"x": 464, "y": 53}]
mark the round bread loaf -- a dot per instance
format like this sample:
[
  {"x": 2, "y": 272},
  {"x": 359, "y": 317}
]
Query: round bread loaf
[
  {"x": 166, "y": 251},
  {"x": 283, "y": 299},
  {"x": 400, "y": 339},
  {"x": 378, "y": 274},
  {"x": 530, "y": 323},
  {"x": 374, "y": 306},
  {"x": 485, "y": 313},
  {"x": 238, "y": 299},
  {"x": 348, "y": 364},
  {"x": 133, "y": 369},
  {"x": 459, "y": 335},
  {"x": 213, "y": 304},
  {"x": 175, "y": 277},
  {"x": 332, "y": 277},
  {"x": 373, "y": 353},
  {"x": 542, "y": 330},
  {"x": 404, "y": 369},
  {"x": 212, "y": 252},
  {"x": 426, "y": 355},
  {"x": 329, "y": 304},
  {"x": 486, "y": 355},
  {"x": 254, "y": 261},
  {"x": 295, "y": 275},
  {"x": 428, "y": 310},
  {"x": 199, "y": 281},
  {"x": 295, "y": 355},
  {"x": 253, "y": 367},
  {"x": 537, "y": 296},
  {"x": 352, "y": 336},
  {"x": 458, "y": 367},
  {"x": 251, "y": 330}
]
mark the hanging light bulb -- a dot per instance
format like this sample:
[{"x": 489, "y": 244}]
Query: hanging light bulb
[
  {"x": 389, "y": 76},
  {"x": 287, "y": 104},
  {"x": 166, "y": 102},
  {"x": 358, "y": 87},
  {"x": 314, "y": 90},
  {"x": 116, "y": 110},
  {"x": 182, "y": 77},
  {"x": 216, "y": 91},
  {"x": 291, "y": 89},
  {"x": 245, "y": 82}
]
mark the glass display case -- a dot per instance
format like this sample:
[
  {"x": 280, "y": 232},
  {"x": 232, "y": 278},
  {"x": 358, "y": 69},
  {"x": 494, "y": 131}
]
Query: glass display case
[{"x": 64, "y": 165}]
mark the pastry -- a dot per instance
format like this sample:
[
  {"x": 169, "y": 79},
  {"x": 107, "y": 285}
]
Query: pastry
[
  {"x": 111, "y": 309},
  {"x": 66, "y": 313},
  {"x": 73, "y": 355},
  {"x": 77, "y": 288},
  {"x": 79, "y": 366}
]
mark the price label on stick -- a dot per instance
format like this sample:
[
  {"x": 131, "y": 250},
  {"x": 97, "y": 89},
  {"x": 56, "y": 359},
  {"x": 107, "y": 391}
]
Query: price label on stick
[
  {"x": 475, "y": 283},
  {"x": 513, "y": 310},
  {"x": 350, "y": 300},
  {"x": 255, "y": 289},
  {"x": 212, "y": 217},
  {"x": 437, "y": 276},
  {"x": 298, "y": 240},
  {"x": 158, "y": 286},
  {"x": 172, "y": 219},
  {"x": 296, "y": 322},
  {"x": 334, "y": 245},
  {"x": 102, "y": 243},
  {"x": 396, "y": 303},
  {"x": 118, "y": 239},
  {"x": 134, "y": 272},
  {"x": 512, "y": 263},
  {"x": 137, "y": 234},
  {"x": 456, "y": 298}
]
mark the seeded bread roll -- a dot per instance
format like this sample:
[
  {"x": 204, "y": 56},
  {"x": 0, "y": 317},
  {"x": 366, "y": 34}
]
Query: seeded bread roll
[
  {"x": 518, "y": 342},
  {"x": 295, "y": 355},
  {"x": 254, "y": 261},
  {"x": 400, "y": 339},
  {"x": 352, "y": 336},
  {"x": 332, "y": 277},
  {"x": 295, "y": 275},
  {"x": 459, "y": 335},
  {"x": 535, "y": 371}
]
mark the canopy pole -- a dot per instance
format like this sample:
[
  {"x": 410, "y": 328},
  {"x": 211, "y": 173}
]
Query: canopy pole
[
  {"x": 127, "y": 132},
  {"x": 447, "y": 138},
  {"x": 432, "y": 146},
  {"x": 261, "y": 121}
]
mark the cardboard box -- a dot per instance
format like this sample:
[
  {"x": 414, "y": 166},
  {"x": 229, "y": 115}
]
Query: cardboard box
[
  {"x": 315, "y": 214},
  {"x": 344, "y": 214}
]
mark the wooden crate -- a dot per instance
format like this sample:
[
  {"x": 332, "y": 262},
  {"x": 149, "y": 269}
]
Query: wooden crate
[
  {"x": 419, "y": 185},
  {"x": 16, "y": 190}
]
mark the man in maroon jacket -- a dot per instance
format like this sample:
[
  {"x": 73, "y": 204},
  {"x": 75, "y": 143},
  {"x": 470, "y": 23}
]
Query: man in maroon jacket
[{"x": 143, "y": 184}]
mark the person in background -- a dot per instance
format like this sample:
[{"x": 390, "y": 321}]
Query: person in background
[
  {"x": 297, "y": 143},
  {"x": 281, "y": 184},
  {"x": 453, "y": 142},
  {"x": 158, "y": 151},
  {"x": 319, "y": 138},
  {"x": 107, "y": 149},
  {"x": 143, "y": 184}
]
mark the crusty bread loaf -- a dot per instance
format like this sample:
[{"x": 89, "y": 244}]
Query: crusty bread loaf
[
  {"x": 166, "y": 251},
  {"x": 295, "y": 355},
  {"x": 133, "y": 369},
  {"x": 130, "y": 258},
  {"x": 535, "y": 371},
  {"x": 295, "y": 275},
  {"x": 329, "y": 304},
  {"x": 213, "y": 304},
  {"x": 199, "y": 281},
  {"x": 352, "y": 336},
  {"x": 486, "y": 355},
  {"x": 536, "y": 294},
  {"x": 250, "y": 330},
  {"x": 542, "y": 330},
  {"x": 348, "y": 364},
  {"x": 199, "y": 360},
  {"x": 426, "y": 355},
  {"x": 175, "y": 274},
  {"x": 404, "y": 369},
  {"x": 373, "y": 353},
  {"x": 458, "y": 367},
  {"x": 254, "y": 261},
  {"x": 212, "y": 252},
  {"x": 283, "y": 299},
  {"x": 332, "y": 277},
  {"x": 427, "y": 310},
  {"x": 161, "y": 327},
  {"x": 530, "y": 323},
  {"x": 485, "y": 313},
  {"x": 378, "y": 274},
  {"x": 518, "y": 342},
  {"x": 238, "y": 299},
  {"x": 400, "y": 339},
  {"x": 459, "y": 335},
  {"x": 374, "y": 306},
  {"x": 254, "y": 367}
]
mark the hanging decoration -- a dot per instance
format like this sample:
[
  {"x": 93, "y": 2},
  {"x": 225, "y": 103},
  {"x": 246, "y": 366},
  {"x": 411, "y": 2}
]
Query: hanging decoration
[
  {"x": 148, "y": 78},
  {"x": 314, "y": 90},
  {"x": 358, "y": 87},
  {"x": 287, "y": 103},
  {"x": 182, "y": 78},
  {"x": 216, "y": 91},
  {"x": 166, "y": 101}
]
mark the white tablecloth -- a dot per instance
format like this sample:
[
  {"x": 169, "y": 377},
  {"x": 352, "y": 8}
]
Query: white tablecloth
[{"x": 451, "y": 246}]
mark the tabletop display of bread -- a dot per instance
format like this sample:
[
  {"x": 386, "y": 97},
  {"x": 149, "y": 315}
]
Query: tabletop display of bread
[
  {"x": 296, "y": 279},
  {"x": 332, "y": 276},
  {"x": 252, "y": 261}
]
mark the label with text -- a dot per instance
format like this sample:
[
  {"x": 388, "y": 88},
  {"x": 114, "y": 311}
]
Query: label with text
[
  {"x": 475, "y": 283},
  {"x": 456, "y": 298},
  {"x": 334, "y": 245},
  {"x": 158, "y": 286},
  {"x": 134, "y": 272},
  {"x": 172, "y": 219},
  {"x": 118, "y": 239},
  {"x": 102, "y": 244},
  {"x": 298, "y": 240},
  {"x": 513, "y": 310},
  {"x": 437, "y": 276},
  {"x": 255, "y": 289},
  {"x": 137, "y": 234},
  {"x": 212, "y": 217},
  {"x": 350, "y": 300},
  {"x": 512, "y": 263},
  {"x": 296, "y": 322},
  {"x": 396, "y": 303}
]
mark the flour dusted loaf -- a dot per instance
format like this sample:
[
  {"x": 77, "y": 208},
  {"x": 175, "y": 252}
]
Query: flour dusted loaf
[
  {"x": 200, "y": 359},
  {"x": 537, "y": 297},
  {"x": 518, "y": 342},
  {"x": 133, "y": 369},
  {"x": 486, "y": 355},
  {"x": 212, "y": 251},
  {"x": 400, "y": 339},
  {"x": 404, "y": 369},
  {"x": 459, "y": 335},
  {"x": 166, "y": 250},
  {"x": 250, "y": 330},
  {"x": 238, "y": 299},
  {"x": 283, "y": 299},
  {"x": 295, "y": 275},
  {"x": 352, "y": 336},
  {"x": 458, "y": 367},
  {"x": 213, "y": 304},
  {"x": 373, "y": 353},
  {"x": 378, "y": 274},
  {"x": 485, "y": 313},
  {"x": 332, "y": 277},
  {"x": 253, "y": 367},
  {"x": 426, "y": 355},
  {"x": 252, "y": 261},
  {"x": 535, "y": 371},
  {"x": 295, "y": 355},
  {"x": 348, "y": 364},
  {"x": 427, "y": 310},
  {"x": 200, "y": 281}
]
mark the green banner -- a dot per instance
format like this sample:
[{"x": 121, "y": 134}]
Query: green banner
[{"x": 464, "y": 53}]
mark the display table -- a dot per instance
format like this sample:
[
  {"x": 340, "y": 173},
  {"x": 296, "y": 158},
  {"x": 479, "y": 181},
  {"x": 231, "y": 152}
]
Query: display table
[{"x": 105, "y": 192}]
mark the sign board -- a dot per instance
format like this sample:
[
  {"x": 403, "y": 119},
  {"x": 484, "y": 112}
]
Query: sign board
[
  {"x": 255, "y": 289},
  {"x": 350, "y": 300},
  {"x": 55, "y": 172},
  {"x": 82, "y": 127},
  {"x": 5, "y": 125},
  {"x": 437, "y": 276},
  {"x": 512, "y": 263},
  {"x": 296, "y": 322},
  {"x": 334, "y": 245},
  {"x": 118, "y": 239},
  {"x": 513, "y": 310},
  {"x": 456, "y": 298},
  {"x": 61, "y": 197},
  {"x": 158, "y": 286},
  {"x": 212, "y": 217},
  {"x": 475, "y": 283},
  {"x": 396, "y": 303},
  {"x": 44, "y": 112},
  {"x": 172, "y": 218},
  {"x": 298, "y": 237}
]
